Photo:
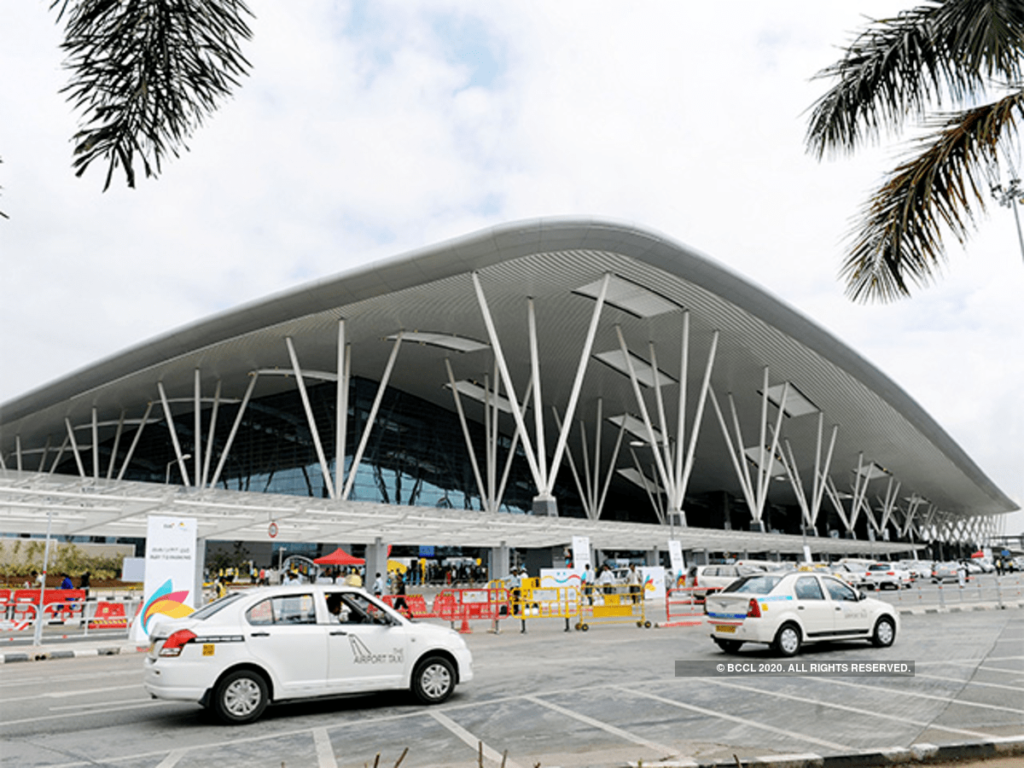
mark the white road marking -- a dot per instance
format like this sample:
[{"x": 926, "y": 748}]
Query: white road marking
[
  {"x": 975, "y": 682},
  {"x": 915, "y": 694},
  {"x": 90, "y": 713},
  {"x": 172, "y": 759},
  {"x": 470, "y": 739},
  {"x": 90, "y": 704},
  {"x": 741, "y": 720},
  {"x": 69, "y": 694},
  {"x": 661, "y": 749},
  {"x": 324, "y": 749},
  {"x": 845, "y": 708}
]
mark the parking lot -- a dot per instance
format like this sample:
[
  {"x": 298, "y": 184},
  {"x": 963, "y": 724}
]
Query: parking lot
[{"x": 551, "y": 697}]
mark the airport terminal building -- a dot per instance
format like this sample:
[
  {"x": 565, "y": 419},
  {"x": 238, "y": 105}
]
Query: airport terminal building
[{"x": 509, "y": 389}]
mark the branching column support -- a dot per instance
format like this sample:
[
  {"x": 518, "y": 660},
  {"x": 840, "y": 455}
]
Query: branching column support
[
  {"x": 117, "y": 445},
  {"x": 135, "y": 441},
  {"x": 810, "y": 507},
  {"x": 197, "y": 426},
  {"x": 174, "y": 434},
  {"x": 325, "y": 470},
  {"x": 95, "y": 443},
  {"x": 341, "y": 407},
  {"x": 234, "y": 429},
  {"x": 208, "y": 455},
  {"x": 372, "y": 418},
  {"x": 592, "y": 491}
]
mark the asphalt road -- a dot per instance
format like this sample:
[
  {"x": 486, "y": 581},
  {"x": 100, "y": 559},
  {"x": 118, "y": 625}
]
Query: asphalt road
[{"x": 599, "y": 698}]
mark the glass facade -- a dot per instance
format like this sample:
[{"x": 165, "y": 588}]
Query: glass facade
[{"x": 416, "y": 454}]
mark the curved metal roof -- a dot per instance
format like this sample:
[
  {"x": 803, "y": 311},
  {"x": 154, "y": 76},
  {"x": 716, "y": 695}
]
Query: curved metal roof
[{"x": 550, "y": 261}]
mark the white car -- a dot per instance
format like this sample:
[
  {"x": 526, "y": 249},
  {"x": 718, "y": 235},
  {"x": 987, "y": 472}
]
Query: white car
[
  {"x": 853, "y": 574},
  {"x": 881, "y": 575},
  {"x": 790, "y": 609},
  {"x": 248, "y": 649}
]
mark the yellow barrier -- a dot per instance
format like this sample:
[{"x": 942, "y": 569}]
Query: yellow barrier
[
  {"x": 536, "y": 602},
  {"x": 615, "y": 604}
]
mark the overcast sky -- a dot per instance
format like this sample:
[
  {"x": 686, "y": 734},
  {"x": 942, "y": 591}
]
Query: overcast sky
[{"x": 370, "y": 128}]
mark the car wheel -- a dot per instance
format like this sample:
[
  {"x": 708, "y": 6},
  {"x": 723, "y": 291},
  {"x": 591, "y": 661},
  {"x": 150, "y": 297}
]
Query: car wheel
[
  {"x": 729, "y": 646},
  {"x": 433, "y": 680},
  {"x": 787, "y": 640},
  {"x": 240, "y": 697},
  {"x": 884, "y": 634}
]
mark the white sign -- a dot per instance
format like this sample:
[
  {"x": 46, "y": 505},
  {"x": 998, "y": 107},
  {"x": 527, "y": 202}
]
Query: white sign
[
  {"x": 653, "y": 579},
  {"x": 581, "y": 552},
  {"x": 677, "y": 563},
  {"x": 561, "y": 577},
  {"x": 169, "y": 588}
]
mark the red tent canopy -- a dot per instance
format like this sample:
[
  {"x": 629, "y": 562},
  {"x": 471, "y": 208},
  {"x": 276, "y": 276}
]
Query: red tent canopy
[
  {"x": 979, "y": 553},
  {"x": 339, "y": 557}
]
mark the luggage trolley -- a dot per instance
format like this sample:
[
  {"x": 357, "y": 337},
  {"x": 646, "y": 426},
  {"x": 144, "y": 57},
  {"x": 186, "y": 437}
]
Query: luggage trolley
[{"x": 616, "y": 604}]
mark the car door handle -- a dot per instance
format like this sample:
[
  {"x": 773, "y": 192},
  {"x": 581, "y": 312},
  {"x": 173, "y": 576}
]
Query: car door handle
[
  {"x": 839, "y": 607},
  {"x": 339, "y": 632},
  {"x": 260, "y": 634},
  {"x": 799, "y": 607}
]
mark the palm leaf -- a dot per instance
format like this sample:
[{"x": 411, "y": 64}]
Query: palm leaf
[
  {"x": 898, "y": 242},
  {"x": 898, "y": 67},
  {"x": 145, "y": 73}
]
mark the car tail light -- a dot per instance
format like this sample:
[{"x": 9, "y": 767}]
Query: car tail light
[
  {"x": 173, "y": 645},
  {"x": 753, "y": 609}
]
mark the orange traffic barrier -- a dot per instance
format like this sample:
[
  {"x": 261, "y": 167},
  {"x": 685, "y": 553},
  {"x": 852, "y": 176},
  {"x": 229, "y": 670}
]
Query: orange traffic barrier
[
  {"x": 417, "y": 605},
  {"x": 108, "y": 616},
  {"x": 462, "y": 605}
]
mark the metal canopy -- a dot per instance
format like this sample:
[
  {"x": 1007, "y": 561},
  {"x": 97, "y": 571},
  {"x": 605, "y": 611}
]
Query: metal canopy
[
  {"x": 84, "y": 507},
  {"x": 555, "y": 268}
]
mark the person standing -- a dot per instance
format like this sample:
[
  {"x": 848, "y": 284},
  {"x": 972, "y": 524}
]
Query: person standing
[
  {"x": 400, "y": 595},
  {"x": 83, "y": 583},
  {"x": 633, "y": 580},
  {"x": 378, "y": 586}
]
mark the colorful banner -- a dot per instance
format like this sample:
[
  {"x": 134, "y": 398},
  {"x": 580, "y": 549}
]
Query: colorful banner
[
  {"x": 677, "y": 564},
  {"x": 169, "y": 588},
  {"x": 653, "y": 579}
]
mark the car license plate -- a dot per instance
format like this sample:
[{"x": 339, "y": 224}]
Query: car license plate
[{"x": 724, "y": 628}]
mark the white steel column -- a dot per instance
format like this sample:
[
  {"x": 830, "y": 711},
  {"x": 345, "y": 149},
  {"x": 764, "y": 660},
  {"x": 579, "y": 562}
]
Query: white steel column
[
  {"x": 499, "y": 357},
  {"x": 234, "y": 429},
  {"x": 197, "y": 428},
  {"x": 325, "y": 470},
  {"x": 538, "y": 406},
  {"x": 372, "y": 417},
  {"x": 736, "y": 455},
  {"x": 95, "y": 444},
  {"x": 174, "y": 434},
  {"x": 17, "y": 452},
  {"x": 74, "y": 447},
  {"x": 577, "y": 385},
  {"x": 666, "y": 481},
  {"x": 207, "y": 457},
  {"x": 117, "y": 444},
  {"x": 341, "y": 407},
  {"x": 135, "y": 440},
  {"x": 60, "y": 454},
  {"x": 691, "y": 450},
  {"x": 484, "y": 501}
]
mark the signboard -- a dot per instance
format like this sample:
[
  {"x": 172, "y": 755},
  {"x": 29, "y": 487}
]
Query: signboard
[
  {"x": 581, "y": 551},
  {"x": 653, "y": 579},
  {"x": 169, "y": 588},
  {"x": 561, "y": 577},
  {"x": 677, "y": 563}
]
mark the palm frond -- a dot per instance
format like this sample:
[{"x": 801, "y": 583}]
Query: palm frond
[
  {"x": 899, "y": 242},
  {"x": 898, "y": 67},
  {"x": 145, "y": 73}
]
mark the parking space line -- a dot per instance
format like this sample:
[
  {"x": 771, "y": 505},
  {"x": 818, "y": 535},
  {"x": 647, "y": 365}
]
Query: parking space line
[
  {"x": 972, "y": 682},
  {"x": 90, "y": 713},
  {"x": 661, "y": 749},
  {"x": 172, "y": 759},
  {"x": 89, "y": 706},
  {"x": 471, "y": 740},
  {"x": 324, "y": 749},
  {"x": 845, "y": 708},
  {"x": 741, "y": 720},
  {"x": 917, "y": 694}
]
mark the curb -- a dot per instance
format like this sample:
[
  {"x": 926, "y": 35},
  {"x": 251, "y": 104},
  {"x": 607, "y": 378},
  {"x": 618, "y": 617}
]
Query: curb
[
  {"x": 42, "y": 654},
  {"x": 917, "y": 754}
]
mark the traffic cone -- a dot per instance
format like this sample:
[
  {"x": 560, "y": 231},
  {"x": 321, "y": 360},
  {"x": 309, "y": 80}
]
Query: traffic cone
[{"x": 464, "y": 629}]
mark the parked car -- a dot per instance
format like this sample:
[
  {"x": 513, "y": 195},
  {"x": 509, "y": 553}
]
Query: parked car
[
  {"x": 853, "y": 574},
  {"x": 789, "y": 610},
  {"x": 885, "y": 574},
  {"x": 919, "y": 569},
  {"x": 709, "y": 578},
  {"x": 947, "y": 571},
  {"x": 249, "y": 649}
]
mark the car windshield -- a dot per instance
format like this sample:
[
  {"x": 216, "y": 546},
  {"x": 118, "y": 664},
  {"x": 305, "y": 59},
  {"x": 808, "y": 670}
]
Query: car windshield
[
  {"x": 211, "y": 608},
  {"x": 759, "y": 584}
]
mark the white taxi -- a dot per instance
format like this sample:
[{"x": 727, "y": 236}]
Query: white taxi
[
  {"x": 248, "y": 649},
  {"x": 786, "y": 610}
]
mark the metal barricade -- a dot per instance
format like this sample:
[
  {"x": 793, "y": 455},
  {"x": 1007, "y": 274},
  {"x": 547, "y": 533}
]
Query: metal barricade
[
  {"x": 463, "y": 605},
  {"x": 616, "y": 604},
  {"x": 536, "y": 602},
  {"x": 416, "y": 604},
  {"x": 683, "y": 608}
]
